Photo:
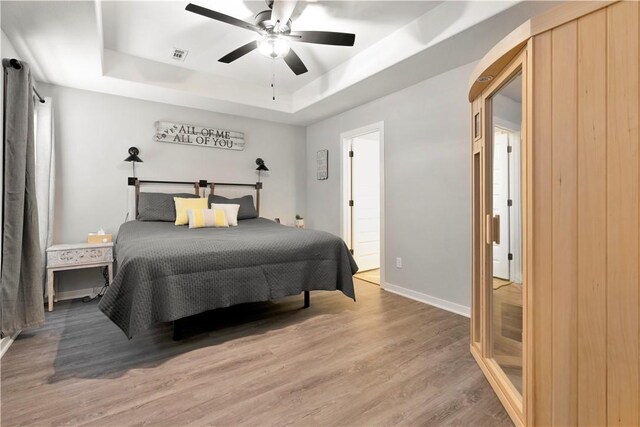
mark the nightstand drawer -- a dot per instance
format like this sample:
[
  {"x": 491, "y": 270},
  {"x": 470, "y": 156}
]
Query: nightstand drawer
[{"x": 79, "y": 256}]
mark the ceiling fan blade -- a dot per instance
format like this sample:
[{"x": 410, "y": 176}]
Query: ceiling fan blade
[
  {"x": 295, "y": 63},
  {"x": 222, "y": 17},
  {"x": 239, "y": 52},
  {"x": 281, "y": 12},
  {"x": 323, "y": 37}
]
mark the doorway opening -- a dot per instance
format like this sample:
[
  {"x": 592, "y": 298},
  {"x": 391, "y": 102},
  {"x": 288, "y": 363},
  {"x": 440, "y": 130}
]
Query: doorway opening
[
  {"x": 507, "y": 257},
  {"x": 362, "y": 199}
]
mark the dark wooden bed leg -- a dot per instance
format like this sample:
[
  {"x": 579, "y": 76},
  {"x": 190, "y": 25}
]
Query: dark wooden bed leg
[
  {"x": 307, "y": 299},
  {"x": 177, "y": 332}
]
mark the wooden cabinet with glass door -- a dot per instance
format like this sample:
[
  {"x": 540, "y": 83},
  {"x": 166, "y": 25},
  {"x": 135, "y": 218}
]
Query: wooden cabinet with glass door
[{"x": 556, "y": 236}]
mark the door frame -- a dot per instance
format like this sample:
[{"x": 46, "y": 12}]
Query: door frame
[
  {"x": 345, "y": 182},
  {"x": 518, "y": 405}
]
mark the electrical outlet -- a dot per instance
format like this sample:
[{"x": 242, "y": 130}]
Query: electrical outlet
[{"x": 398, "y": 262}]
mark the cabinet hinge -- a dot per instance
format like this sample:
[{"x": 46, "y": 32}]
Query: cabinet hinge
[
  {"x": 350, "y": 202},
  {"x": 351, "y": 153},
  {"x": 509, "y": 202},
  {"x": 509, "y": 149},
  {"x": 351, "y": 250},
  {"x": 510, "y": 257}
]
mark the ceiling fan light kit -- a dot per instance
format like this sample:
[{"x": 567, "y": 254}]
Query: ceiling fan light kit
[
  {"x": 274, "y": 27},
  {"x": 274, "y": 46}
]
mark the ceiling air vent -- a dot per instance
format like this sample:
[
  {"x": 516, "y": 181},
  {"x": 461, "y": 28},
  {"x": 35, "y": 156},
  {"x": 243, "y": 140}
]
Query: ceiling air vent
[{"x": 179, "y": 54}]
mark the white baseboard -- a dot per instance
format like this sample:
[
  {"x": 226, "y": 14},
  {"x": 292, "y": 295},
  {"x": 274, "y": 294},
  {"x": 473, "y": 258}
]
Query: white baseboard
[
  {"x": 6, "y": 342},
  {"x": 428, "y": 299}
]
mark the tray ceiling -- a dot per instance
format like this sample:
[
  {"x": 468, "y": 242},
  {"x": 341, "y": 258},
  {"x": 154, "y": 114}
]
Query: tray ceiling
[{"x": 124, "y": 48}]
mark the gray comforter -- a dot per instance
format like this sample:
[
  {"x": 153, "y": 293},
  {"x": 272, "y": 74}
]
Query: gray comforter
[{"x": 166, "y": 272}]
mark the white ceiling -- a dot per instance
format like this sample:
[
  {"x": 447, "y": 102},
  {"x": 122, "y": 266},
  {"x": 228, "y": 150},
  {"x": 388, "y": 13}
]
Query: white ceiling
[{"x": 124, "y": 48}]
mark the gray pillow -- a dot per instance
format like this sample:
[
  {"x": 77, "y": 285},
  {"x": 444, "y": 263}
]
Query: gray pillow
[
  {"x": 159, "y": 206},
  {"x": 247, "y": 208}
]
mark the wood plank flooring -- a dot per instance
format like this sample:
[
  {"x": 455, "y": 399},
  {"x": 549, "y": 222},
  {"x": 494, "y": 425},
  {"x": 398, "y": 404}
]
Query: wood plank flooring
[
  {"x": 383, "y": 360},
  {"x": 371, "y": 276}
]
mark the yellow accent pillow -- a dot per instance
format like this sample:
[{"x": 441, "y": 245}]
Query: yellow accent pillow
[
  {"x": 199, "y": 218},
  {"x": 183, "y": 205}
]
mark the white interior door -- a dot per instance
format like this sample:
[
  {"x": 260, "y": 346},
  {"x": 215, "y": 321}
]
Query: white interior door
[
  {"x": 365, "y": 193},
  {"x": 500, "y": 206},
  {"x": 515, "y": 211}
]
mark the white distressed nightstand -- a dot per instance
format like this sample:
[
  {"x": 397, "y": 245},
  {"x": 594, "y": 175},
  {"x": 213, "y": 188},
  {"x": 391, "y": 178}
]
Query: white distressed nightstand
[{"x": 75, "y": 256}]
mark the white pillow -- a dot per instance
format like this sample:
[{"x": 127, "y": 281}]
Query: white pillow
[
  {"x": 231, "y": 212},
  {"x": 200, "y": 218}
]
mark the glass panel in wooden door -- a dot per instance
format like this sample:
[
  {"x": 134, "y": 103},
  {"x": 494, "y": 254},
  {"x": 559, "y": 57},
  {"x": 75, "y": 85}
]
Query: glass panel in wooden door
[{"x": 506, "y": 228}]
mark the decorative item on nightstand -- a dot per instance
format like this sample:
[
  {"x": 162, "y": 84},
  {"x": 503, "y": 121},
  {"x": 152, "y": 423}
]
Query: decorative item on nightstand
[
  {"x": 261, "y": 167},
  {"x": 299, "y": 221},
  {"x": 133, "y": 158},
  {"x": 99, "y": 237}
]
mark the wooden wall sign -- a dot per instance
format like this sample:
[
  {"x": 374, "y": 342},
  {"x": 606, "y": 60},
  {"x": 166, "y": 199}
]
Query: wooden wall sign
[{"x": 201, "y": 136}]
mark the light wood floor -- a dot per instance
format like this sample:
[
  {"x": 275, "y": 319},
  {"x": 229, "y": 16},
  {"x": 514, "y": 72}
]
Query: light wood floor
[
  {"x": 383, "y": 360},
  {"x": 371, "y": 276}
]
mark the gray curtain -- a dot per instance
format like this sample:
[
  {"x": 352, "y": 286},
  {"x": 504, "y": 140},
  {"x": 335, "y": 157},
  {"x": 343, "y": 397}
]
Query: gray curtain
[{"x": 21, "y": 299}]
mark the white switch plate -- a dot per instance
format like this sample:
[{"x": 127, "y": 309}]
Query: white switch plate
[{"x": 399, "y": 262}]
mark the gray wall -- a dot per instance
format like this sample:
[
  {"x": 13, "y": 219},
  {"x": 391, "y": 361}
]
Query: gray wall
[
  {"x": 427, "y": 183},
  {"x": 93, "y": 133}
]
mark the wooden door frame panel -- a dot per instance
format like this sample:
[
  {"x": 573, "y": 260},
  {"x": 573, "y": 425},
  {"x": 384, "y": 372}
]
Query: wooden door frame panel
[{"x": 515, "y": 404}]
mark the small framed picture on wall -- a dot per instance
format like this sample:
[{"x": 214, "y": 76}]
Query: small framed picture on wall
[{"x": 323, "y": 164}]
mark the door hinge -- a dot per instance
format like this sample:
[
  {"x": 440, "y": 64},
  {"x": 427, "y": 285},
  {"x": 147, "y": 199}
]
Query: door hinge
[
  {"x": 509, "y": 149},
  {"x": 510, "y": 257},
  {"x": 350, "y": 202},
  {"x": 351, "y": 153},
  {"x": 509, "y": 202},
  {"x": 351, "y": 250}
]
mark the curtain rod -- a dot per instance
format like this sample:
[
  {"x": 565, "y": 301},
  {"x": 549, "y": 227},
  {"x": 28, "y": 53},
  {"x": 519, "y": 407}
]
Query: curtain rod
[{"x": 16, "y": 64}]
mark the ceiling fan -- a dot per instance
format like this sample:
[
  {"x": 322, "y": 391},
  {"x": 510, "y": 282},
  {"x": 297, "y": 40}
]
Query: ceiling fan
[{"x": 274, "y": 27}]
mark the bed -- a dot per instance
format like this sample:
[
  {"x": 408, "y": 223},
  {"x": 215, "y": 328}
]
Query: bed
[{"x": 168, "y": 272}]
